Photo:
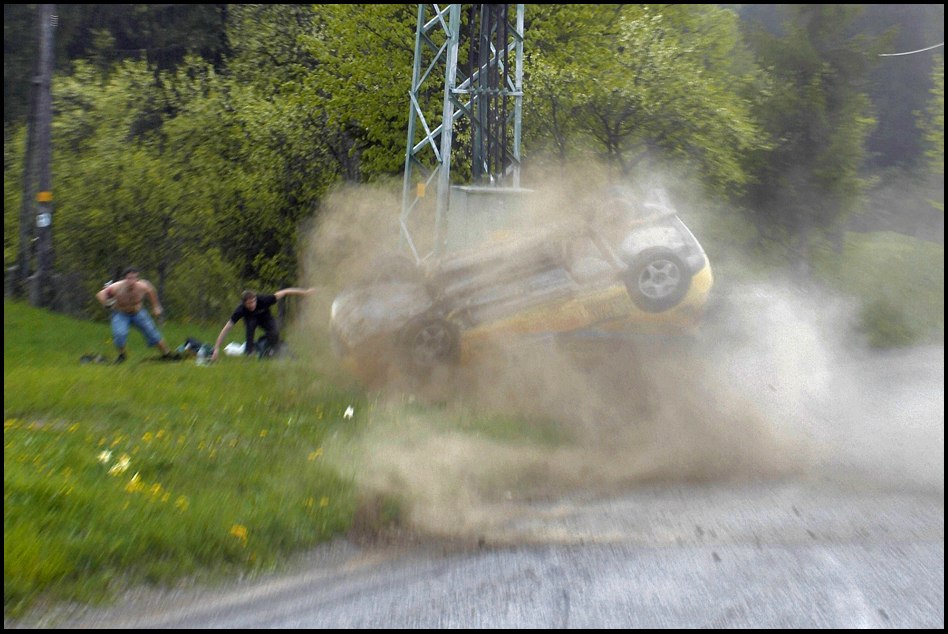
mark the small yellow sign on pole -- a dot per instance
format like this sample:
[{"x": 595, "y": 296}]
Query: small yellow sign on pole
[
  {"x": 421, "y": 190},
  {"x": 44, "y": 197}
]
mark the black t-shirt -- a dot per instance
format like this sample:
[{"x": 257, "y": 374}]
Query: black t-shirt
[{"x": 264, "y": 302}]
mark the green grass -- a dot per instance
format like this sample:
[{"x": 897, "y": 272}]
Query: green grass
[
  {"x": 150, "y": 471},
  {"x": 900, "y": 281}
]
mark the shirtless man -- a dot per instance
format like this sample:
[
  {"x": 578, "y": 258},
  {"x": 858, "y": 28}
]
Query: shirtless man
[{"x": 126, "y": 297}]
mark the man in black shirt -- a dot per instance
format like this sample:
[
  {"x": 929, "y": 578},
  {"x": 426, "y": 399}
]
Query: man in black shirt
[{"x": 255, "y": 311}]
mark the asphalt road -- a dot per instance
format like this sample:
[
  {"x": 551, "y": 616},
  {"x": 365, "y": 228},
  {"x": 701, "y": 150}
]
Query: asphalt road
[{"x": 766, "y": 555}]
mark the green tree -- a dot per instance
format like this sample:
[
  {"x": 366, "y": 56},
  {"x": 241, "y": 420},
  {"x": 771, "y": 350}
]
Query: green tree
[
  {"x": 643, "y": 84},
  {"x": 359, "y": 87},
  {"x": 106, "y": 34},
  {"x": 281, "y": 139},
  {"x": 818, "y": 118},
  {"x": 933, "y": 126}
]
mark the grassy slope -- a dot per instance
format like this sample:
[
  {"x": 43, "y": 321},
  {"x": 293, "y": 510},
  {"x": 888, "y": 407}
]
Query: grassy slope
[
  {"x": 152, "y": 470},
  {"x": 905, "y": 273}
]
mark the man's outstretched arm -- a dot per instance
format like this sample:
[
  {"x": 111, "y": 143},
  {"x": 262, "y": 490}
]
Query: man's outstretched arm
[
  {"x": 220, "y": 338},
  {"x": 280, "y": 294}
]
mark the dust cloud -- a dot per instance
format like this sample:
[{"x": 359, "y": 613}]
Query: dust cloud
[{"x": 769, "y": 387}]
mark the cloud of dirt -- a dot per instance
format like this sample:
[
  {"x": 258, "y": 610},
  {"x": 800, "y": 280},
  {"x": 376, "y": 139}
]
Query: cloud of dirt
[
  {"x": 766, "y": 389},
  {"x": 868, "y": 418}
]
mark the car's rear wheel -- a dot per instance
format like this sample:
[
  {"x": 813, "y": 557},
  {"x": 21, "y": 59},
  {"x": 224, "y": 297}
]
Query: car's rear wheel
[
  {"x": 657, "y": 280},
  {"x": 427, "y": 342}
]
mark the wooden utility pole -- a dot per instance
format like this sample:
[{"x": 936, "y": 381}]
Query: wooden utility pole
[
  {"x": 24, "y": 261},
  {"x": 41, "y": 282}
]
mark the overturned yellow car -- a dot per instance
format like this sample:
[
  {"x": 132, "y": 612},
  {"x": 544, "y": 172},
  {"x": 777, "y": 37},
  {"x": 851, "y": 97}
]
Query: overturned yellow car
[{"x": 636, "y": 268}]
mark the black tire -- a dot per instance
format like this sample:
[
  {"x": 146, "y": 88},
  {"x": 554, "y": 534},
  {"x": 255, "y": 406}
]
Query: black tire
[
  {"x": 427, "y": 342},
  {"x": 657, "y": 280}
]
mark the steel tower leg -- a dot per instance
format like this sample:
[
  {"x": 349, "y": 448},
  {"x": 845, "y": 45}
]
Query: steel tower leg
[{"x": 484, "y": 94}]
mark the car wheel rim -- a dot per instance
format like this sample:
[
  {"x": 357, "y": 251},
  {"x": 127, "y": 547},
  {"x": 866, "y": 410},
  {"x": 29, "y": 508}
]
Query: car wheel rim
[
  {"x": 431, "y": 344},
  {"x": 659, "y": 279}
]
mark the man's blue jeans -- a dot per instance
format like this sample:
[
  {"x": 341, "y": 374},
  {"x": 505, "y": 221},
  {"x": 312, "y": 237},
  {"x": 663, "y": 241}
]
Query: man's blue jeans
[{"x": 121, "y": 322}]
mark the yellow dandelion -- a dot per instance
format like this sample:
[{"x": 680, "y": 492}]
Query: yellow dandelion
[
  {"x": 156, "y": 489},
  {"x": 315, "y": 454},
  {"x": 160, "y": 434},
  {"x": 74, "y": 427},
  {"x": 240, "y": 532},
  {"x": 263, "y": 433},
  {"x": 181, "y": 503},
  {"x": 323, "y": 502},
  {"x": 309, "y": 502},
  {"x": 147, "y": 437},
  {"x": 104, "y": 456},
  {"x": 135, "y": 484}
]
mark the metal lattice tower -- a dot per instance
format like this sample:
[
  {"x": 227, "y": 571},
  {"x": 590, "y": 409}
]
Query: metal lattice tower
[{"x": 468, "y": 61}]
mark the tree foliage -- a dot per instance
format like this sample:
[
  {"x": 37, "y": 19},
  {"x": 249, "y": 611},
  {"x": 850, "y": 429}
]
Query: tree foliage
[
  {"x": 818, "y": 118},
  {"x": 933, "y": 125},
  {"x": 360, "y": 85},
  {"x": 106, "y": 35},
  {"x": 640, "y": 84}
]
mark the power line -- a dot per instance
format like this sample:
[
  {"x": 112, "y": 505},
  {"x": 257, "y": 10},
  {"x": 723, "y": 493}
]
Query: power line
[{"x": 921, "y": 50}]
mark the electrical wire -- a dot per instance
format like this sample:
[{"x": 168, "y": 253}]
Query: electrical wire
[{"x": 921, "y": 50}]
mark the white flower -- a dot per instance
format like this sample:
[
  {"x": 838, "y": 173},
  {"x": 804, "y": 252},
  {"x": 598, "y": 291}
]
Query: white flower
[
  {"x": 121, "y": 466},
  {"x": 105, "y": 456},
  {"x": 349, "y": 412}
]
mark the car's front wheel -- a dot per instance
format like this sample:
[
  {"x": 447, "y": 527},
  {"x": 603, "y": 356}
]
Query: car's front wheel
[
  {"x": 427, "y": 342},
  {"x": 657, "y": 280}
]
